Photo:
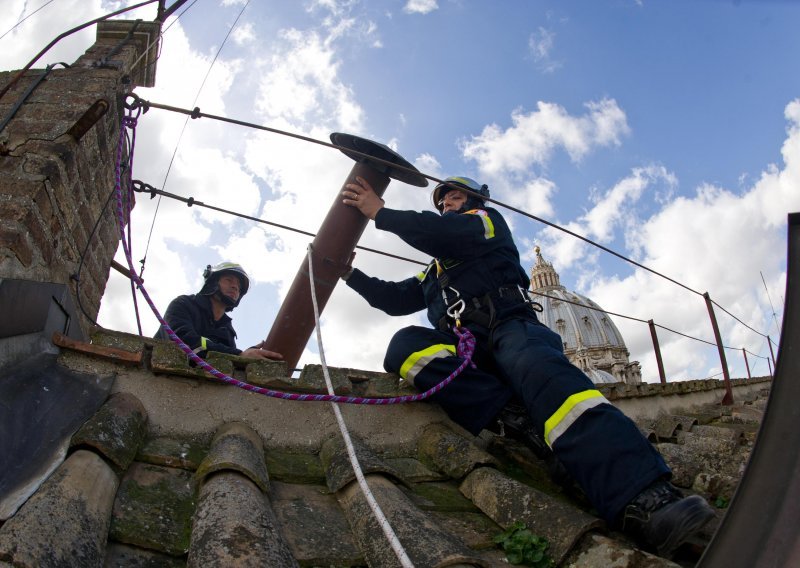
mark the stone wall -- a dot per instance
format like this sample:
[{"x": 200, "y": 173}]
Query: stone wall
[
  {"x": 648, "y": 401},
  {"x": 57, "y": 161}
]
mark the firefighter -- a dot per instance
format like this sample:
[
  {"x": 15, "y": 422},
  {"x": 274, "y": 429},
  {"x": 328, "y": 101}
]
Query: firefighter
[
  {"x": 201, "y": 319},
  {"x": 476, "y": 276}
]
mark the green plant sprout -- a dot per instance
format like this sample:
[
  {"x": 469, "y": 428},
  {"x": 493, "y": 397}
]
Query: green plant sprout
[{"x": 522, "y": 547}]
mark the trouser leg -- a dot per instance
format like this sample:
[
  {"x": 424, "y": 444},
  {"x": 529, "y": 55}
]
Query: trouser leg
[
  {"x": 601, "y": 448},
  {"x": 425, "y": 357}
]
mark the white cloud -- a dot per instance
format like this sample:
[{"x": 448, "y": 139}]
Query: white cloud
[
  {"x": 715, "y": 241},
  {"x": 420, "y": 6},
  {"x": 26, "y": 40},
  {"x": 541, "y": 43},
  {"x": 302, "y": 85},
  {"x": 510, "y": 157},
  {"x": 534, "y": 136},
  {"x": 534, "y": 196},
  {"x": 244, "y": 33},
  {"x": 617, "y": 205}
]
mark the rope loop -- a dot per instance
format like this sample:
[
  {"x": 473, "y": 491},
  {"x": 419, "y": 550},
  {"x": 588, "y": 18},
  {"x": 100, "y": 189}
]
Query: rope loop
[{"x": 135, "y": 105}]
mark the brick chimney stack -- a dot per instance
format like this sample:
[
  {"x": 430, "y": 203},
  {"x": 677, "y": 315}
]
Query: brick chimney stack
[{"x": 57, "y": 161}]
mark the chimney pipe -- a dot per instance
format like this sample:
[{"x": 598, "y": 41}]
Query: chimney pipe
[{"x": 334, "y": 244}]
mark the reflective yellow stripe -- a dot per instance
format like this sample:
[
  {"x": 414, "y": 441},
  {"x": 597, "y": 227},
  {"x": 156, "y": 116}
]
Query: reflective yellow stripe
[
  {"x": 203, "y": 345},
  {"x": 569, "y": 412},
  {"x": 417, "y": 361},
  {"x": 488, "y": 226},
  {"x": 424, "y": 274}
]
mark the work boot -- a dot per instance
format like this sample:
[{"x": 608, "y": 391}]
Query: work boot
[{"x": 661, "y": 518}]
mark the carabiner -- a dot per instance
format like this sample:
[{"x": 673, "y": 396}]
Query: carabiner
[{"x": 456, "y": 310}]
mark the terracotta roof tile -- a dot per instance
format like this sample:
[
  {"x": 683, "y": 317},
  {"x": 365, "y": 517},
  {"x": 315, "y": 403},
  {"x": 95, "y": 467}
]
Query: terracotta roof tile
[
  {"x": 116, "y": 431},
  {"x": 236, "y": 447},
  {"x": 65, "y": 523},
  {"x": 234, "y": 525},
  {"x": 153, "y": 508},
  {"x": 506, "y": 501},
  {"x": 228, "y": 477}
]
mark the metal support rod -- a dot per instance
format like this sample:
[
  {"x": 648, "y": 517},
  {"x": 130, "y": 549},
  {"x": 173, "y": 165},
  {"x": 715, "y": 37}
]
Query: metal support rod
[
  {"x": 661, "y": 374},
  {"x": 746, "y": 364},
  {"x": 727, "y": 400},
  {"x": 164, "y": 13},
  {"x": 771, "y": 352},
  {"x": 769, "y": 364}
]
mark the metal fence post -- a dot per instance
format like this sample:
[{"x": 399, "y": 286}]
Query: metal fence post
[
  {"x": 746, "y": 364},
  {"x": 727, "y": 400},
  {"x": 657, "y": 349}
]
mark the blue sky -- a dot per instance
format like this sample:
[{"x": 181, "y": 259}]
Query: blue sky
[{"x": 668, "y": 131}]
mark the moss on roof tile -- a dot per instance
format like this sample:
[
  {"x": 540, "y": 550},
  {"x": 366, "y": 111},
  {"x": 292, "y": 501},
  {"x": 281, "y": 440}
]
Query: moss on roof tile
[
  {"x": 236, "y": 447},
  {"x": 171, "y": 452},
  {"x": 293, "y": 467},
  {"x": 116, "y": 431},
  {"x": 153, "y": 509}
]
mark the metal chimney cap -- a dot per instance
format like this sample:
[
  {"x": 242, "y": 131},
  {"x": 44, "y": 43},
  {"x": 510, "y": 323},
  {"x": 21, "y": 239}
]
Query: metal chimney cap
[{"x": 378, "y": 150}]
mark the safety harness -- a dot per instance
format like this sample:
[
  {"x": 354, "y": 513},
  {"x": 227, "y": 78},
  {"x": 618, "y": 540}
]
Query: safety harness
[{"x": 476, "y": 310}]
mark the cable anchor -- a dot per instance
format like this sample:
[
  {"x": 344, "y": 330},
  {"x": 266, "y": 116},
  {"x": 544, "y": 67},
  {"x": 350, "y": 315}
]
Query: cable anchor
[{"x": 141, "y": 187}]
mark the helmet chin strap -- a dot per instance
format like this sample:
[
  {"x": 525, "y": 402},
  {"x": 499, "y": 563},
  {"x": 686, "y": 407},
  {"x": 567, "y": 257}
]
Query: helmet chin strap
[{"x": 230, "y": 303}]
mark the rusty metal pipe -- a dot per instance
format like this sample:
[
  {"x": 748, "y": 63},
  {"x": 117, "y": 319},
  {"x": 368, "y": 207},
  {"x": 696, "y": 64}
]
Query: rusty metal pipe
[
  {"x": 333, "y": 246},
  {"x": 330, "y": 253}
]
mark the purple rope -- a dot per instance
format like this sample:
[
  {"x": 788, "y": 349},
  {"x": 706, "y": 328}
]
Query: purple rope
[{"x": 464, "y": 349}]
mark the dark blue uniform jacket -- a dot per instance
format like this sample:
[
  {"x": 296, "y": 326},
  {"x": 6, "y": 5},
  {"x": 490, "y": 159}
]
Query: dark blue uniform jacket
[
  {"x": 475, "y": 249},
  {"x": 192, "y": 319}
]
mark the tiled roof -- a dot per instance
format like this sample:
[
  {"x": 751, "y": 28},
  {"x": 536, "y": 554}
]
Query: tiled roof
[{"x": 173, "y": 470}]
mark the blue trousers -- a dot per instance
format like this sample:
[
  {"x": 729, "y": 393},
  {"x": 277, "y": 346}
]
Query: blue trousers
[{"x": 601, "y": 448}]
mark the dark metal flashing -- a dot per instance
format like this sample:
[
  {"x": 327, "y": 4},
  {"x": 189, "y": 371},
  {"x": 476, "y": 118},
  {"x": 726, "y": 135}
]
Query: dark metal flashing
[
  {"x": 41, "y": 405},
  {"x": 32, "y": 312},
  {"x": 760, "y": 528}
]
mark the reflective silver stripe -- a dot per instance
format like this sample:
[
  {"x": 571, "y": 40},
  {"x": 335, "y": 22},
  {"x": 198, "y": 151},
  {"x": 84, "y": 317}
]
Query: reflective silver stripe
[
  {"x": 572, "y": 409},
  {"x": 203, "y": 343},
  {"x": 488, "y": 226},
  {"x": 417, "y": 361}
]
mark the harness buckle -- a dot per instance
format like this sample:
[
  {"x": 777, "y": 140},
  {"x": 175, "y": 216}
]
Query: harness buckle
[{"x": 526, "y": 297}]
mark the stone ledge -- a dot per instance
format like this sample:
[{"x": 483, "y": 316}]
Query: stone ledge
[{"x": 617, "y": 391}]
